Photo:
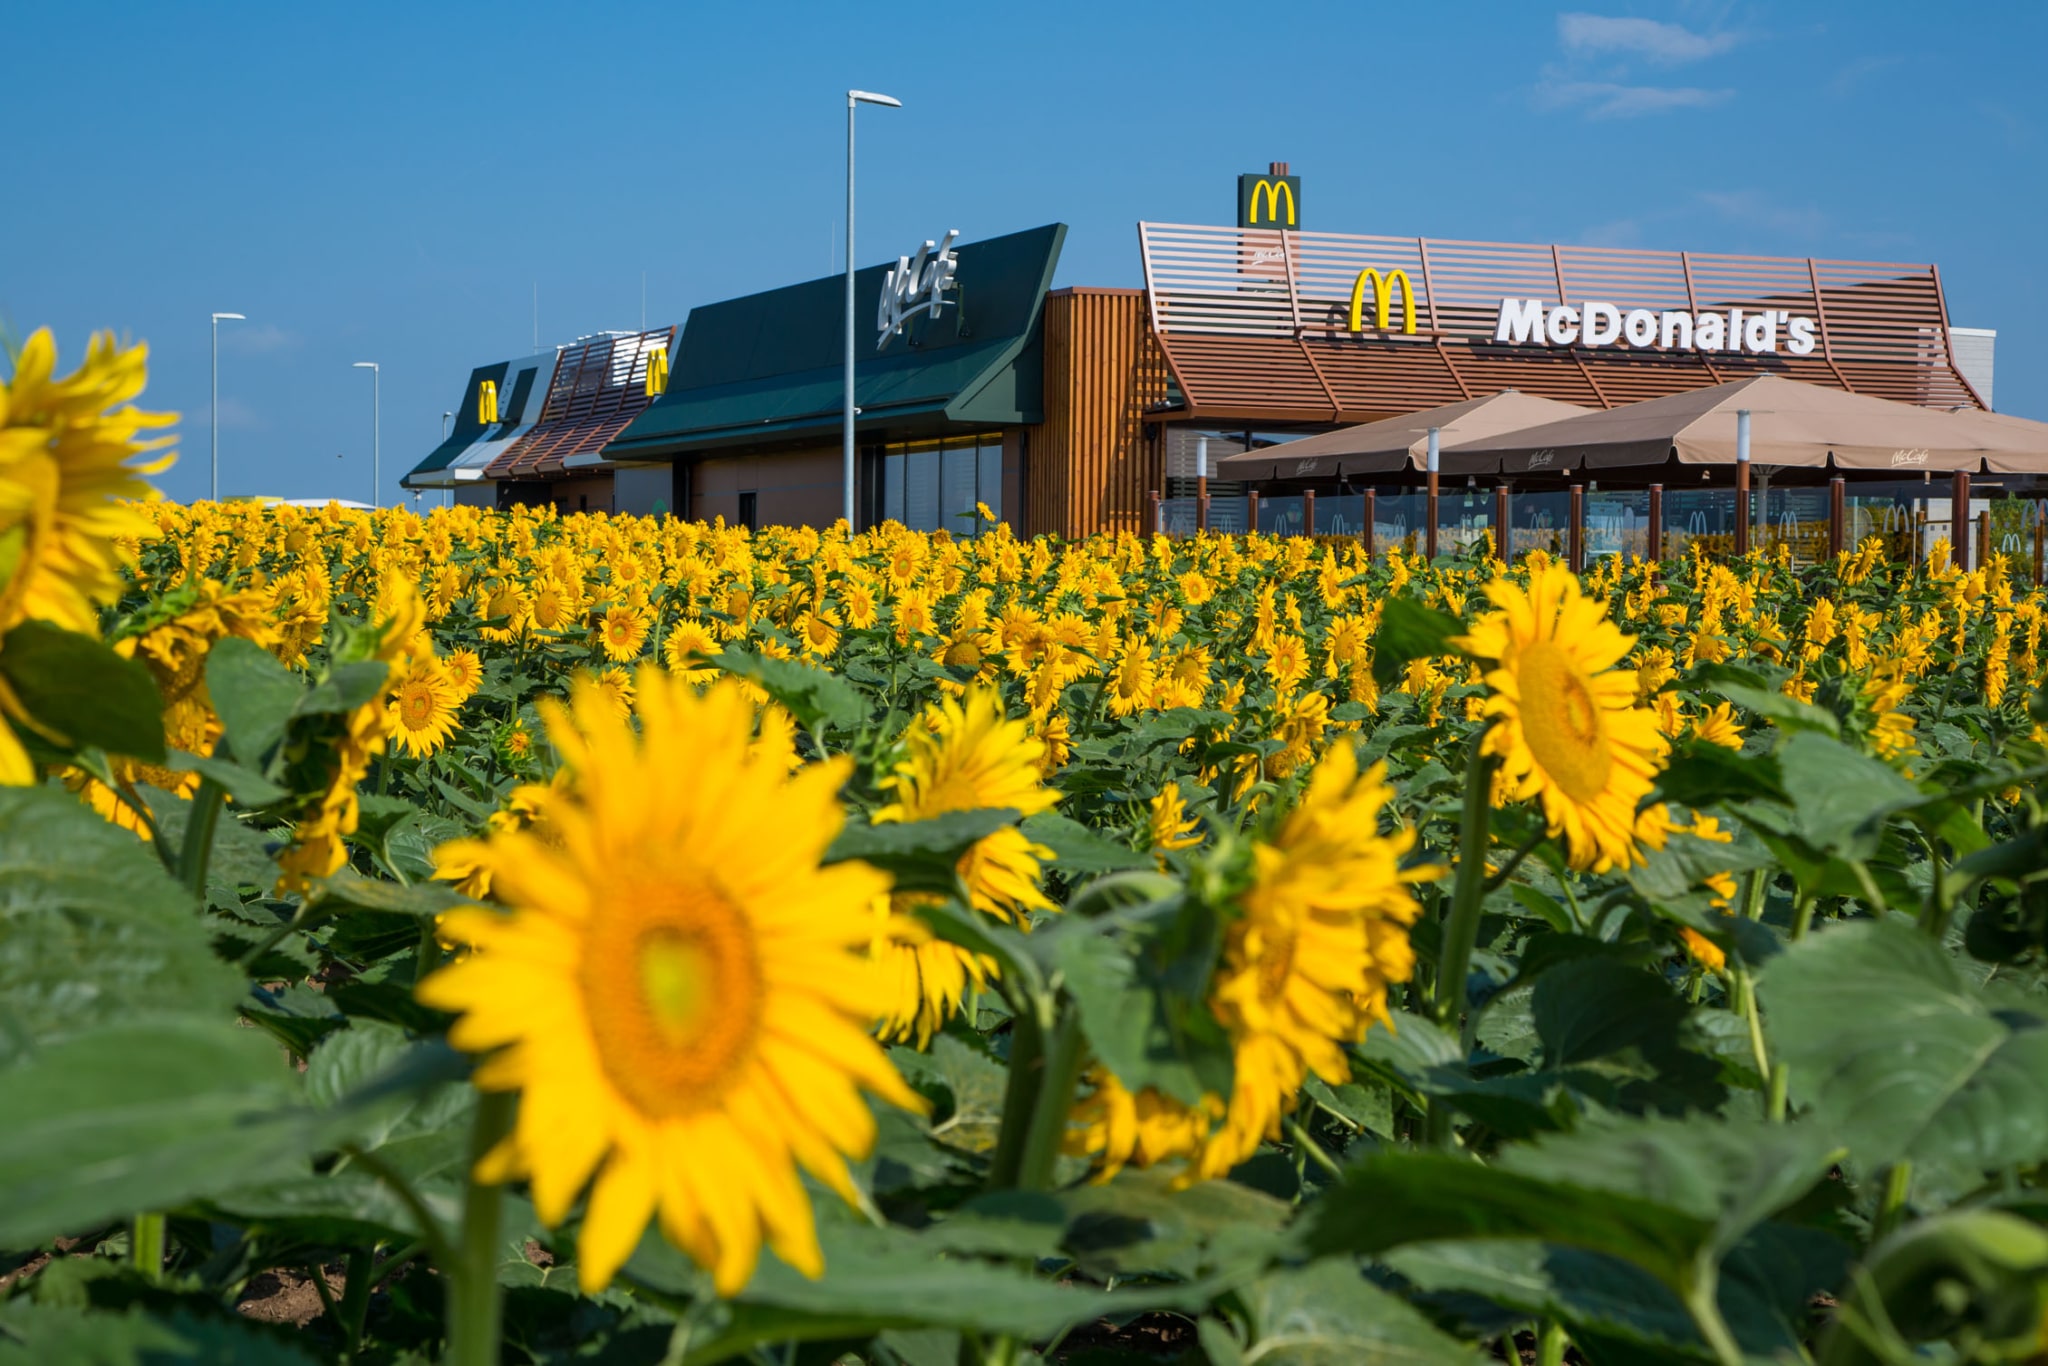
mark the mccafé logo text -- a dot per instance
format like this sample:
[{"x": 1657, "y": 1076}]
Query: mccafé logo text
[
  {"x": 1538, "y": 322},
  {"x": 1915, "y": 457},
  {"x": 916, "y": 283}
]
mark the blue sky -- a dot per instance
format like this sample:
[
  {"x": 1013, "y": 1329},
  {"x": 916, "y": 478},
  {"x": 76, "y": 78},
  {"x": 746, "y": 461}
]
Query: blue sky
[{"x": 391, "y": 182}]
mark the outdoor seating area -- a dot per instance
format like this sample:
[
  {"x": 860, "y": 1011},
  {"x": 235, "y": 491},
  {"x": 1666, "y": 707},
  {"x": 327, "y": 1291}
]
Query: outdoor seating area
[{"x": 1764, "y": 462}]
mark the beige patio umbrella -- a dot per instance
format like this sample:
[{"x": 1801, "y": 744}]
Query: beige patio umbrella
[
  {"x": 1399, "y": 443},
  {"x": 1792, "y": 423},
  {"x": 2018, "y": 445}
]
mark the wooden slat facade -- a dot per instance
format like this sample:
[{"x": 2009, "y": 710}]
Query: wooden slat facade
[
  {"x": 1255, "y": 323},
  {"x": 1092, "y": 464}
]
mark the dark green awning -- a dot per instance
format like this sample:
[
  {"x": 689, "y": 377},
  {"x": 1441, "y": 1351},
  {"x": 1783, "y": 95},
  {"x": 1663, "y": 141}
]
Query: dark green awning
[
  {"x": 467, "y": 429},
  {"x": 771, "y": 366}
]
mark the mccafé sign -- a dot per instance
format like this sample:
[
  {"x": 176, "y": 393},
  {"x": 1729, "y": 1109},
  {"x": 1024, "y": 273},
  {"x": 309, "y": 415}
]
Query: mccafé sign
[{"x": 1538, "y": 322}]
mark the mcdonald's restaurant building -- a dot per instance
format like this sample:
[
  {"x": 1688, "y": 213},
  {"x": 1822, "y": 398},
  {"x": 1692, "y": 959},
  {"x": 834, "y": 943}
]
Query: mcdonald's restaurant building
[{"x": 1074, "y": 410}]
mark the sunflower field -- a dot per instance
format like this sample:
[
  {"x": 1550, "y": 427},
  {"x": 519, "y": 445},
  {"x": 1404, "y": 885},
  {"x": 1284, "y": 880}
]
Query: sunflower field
[{"x": 483, "y": 937}]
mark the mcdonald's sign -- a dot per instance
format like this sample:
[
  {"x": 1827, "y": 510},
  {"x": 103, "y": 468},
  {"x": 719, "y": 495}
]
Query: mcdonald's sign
[
  {"x": 657, "y": 371},
  {"x": 487, "y": 401},
  {"x": 1269, "y": 201},
  {"x": 1382, "y": 300}
]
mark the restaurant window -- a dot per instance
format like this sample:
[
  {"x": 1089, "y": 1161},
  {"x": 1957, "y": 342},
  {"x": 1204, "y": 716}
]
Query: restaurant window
[
  {"x": 750, "y": 510},
  {"x": 927, "y": 485}
]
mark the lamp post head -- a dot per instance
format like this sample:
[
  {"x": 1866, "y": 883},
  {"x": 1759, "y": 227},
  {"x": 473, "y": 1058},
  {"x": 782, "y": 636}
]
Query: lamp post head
[
  {"x": 364, "y": 365},
  {"x": 854, "y": 97},
  {"x": 238, "y": 317}
]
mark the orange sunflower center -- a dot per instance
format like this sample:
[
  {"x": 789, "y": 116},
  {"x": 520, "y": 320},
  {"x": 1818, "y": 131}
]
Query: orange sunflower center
[
  {"x": 1275, "y": 964},
  {"x": 415, "y": 706},
  {"x": 672, "y": 982},
  {"x": 1562, "y": 721}
]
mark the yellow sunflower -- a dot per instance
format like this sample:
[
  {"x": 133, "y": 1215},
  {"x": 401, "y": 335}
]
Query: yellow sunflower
[
  {"x": 963, "y": 755},
  {"x": 317, "y": 848},
  {"x": 1131, "y": 682},
  {"x": 1169, "y": 825},
  {"x": 967, "y": 756},
  {"x": 1318, "y": 938},
  {"x": 679, "y": 991},
  {"x": 67, "y": 490},
  {"x": 423, "y": 707},
  {"x": 622, "y": 632},
  {"x": 1567, "y": 730},
  {"x": 465, "y": 670},
  {"x": 552, "y": 606},
  {"x": 690, "y": 641}
]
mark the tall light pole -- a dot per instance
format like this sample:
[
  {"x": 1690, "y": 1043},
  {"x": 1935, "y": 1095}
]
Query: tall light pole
[
  {"x": 376, "y": 431},
  {"x": 214, "y": 410},
  {"x": 853, "y": 97}
]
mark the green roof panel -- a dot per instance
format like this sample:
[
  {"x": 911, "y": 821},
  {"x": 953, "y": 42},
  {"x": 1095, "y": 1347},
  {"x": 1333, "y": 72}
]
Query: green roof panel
[{"x": 773, "y": 363}]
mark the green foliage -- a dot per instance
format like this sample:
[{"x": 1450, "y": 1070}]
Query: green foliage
[
  {"x": 1670, "y": 1122},
  {"x": 84, "y": 692}
]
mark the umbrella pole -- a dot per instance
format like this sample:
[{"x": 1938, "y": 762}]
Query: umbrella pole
[
  {"x": 1742, "y": 483},
  {"x": 1429, "y": 533},
  {"x": 1959, "y": 520}
]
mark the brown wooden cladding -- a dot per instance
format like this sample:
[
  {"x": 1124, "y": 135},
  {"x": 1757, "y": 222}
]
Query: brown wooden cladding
[
  {"x": 1091, "y": 465},
  {"x": 1254, "y": 323}
]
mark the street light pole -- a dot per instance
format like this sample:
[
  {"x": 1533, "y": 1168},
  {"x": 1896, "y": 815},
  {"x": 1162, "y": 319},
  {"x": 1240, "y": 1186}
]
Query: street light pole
[
  {"x": 376, "y": 431},
  {"x": 213, "y": 411},
  {"x": 853, "y": 97}
]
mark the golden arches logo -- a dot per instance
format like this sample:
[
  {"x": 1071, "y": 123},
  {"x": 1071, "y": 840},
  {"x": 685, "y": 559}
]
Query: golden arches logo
[
  {"x": 487, "y": 401},
  {"x": 1382, "y": 299},
  {"x": 657, "y": 371},
  {"x": 1271, "y": 191}
]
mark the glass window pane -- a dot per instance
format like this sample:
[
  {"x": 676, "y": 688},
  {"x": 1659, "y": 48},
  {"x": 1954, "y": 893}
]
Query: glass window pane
[
  {"x": 956, "y": 490},
  {"x": 921, "y": 491},
  {"x": 990, "y": 478},
  {"x": 892, "y": 487}
]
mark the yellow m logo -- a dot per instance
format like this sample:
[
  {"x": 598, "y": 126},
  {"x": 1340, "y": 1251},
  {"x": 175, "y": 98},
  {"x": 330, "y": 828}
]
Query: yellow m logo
[
  {"x": 657, "y": 371},
  {"x": 487, "y": 401},
  {"x": 1382, "y": 299},
  {"x": 1271, "y": 191}
]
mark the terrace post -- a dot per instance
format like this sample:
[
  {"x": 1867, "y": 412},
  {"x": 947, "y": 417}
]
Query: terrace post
[
  {"x": 2040, "y": 541},
  {"x": 1984, "y": 539},
  {"x": 1577, "y": 544},
  {"x": 1501, "y": 510},
  {"x": 1838, "y": 499},
  {"x": 1158, "y": 513},
  {"x": 1429, "y": 531},
  {"x": 1308, "y": 512},
  {"x": 1655, "y": 549},
  {"x": 1742, "y": 483},
  {"x": 1371, "y": 516},
  {"x": 1251, "y": 511},
  {"x": 1201, "y": 484},
  {"x": 1959, "y": 519}
]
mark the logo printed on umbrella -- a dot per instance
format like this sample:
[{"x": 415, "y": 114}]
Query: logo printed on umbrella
[
  {"x": 1914, "y": 457},
  {"x": 1546, "y": 457}
]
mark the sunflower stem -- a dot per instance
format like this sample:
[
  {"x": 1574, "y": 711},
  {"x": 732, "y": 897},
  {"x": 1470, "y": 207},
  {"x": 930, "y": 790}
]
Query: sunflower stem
[
  {"x": 1064, "y": 1055},
  {"x": 359, "y": 1278},
  {"x": 146, "y": 1245},
  {"x": 200, "y": 824},
  {"x": 474, "y": 1305},
  {"x": 1468, "y": 891},
  {"x": 1027, "y": 1047}
]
